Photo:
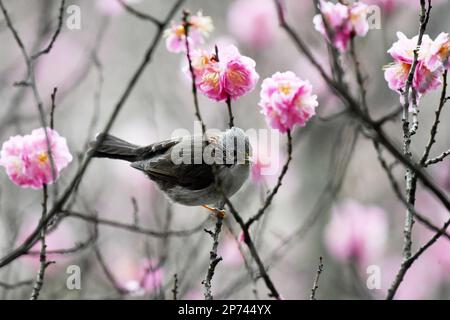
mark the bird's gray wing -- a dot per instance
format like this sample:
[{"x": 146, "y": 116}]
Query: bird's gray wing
[
  {"x": 155, "y": 149},
  {"x": 157, "y": 162}
]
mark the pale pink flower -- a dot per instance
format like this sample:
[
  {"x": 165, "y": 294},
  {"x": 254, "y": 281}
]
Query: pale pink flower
[
  {"x": 358, "y": 19},
  {"x": 200, "y": 27},
  {"x": 151, "y": 275},
  {"x": 402, "y": 51},
  {"x": 356, "y": 232},
  {"x": 439, "y": 52},
  {"x": 286, "y": 100},
  {"x": 344, "y": 21},
  {"x": 232, "y": 76},
  {"x": 27, "y": 161},
  {"x": 202, "y": 24},
  {"x": 253, "y": 22}
]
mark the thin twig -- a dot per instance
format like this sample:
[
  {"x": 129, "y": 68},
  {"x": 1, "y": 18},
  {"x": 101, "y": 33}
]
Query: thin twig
[
  {"x": 406, "y": 264},
  {"x": 109, "y": 275},
  {"x": 135, "y": 228},
  {"x": 186, "y": 25},
  {"x": 175, "y": 287},
  {"x": 214, "y": 259},
  {"x": 52, "y": 111},
  {"x": 59, "y": 205},
  {"x": 141, "y": 15},
  {"x": 55, "y": 35},
  {"x": 396, "y": 188},
  {"x": 274, "y": 191},
  {"x": 230, "y": 113},
  {"x": 316, "y": 280},
  {"x": 437, "y": 159},
  {"x": 359, "y": 76},
  {"x": 436, "y": 122},
  {"x": 11, "y": 286},
  {"x": 43, "y": 264}
]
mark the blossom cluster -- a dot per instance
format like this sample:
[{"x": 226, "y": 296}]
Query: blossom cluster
[
  {"x": 433, "y": 59},
  {"x": 200, "y": 26},
  {"x": 230, "y": 75},
  {"x": 27, "y": 160},
  {"x": 342, "y": 21},
  {"x": 287, "y": 100}
]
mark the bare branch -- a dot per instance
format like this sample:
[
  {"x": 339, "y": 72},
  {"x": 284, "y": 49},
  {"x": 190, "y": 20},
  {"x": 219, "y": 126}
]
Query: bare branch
[
  {"x": 59, "y": 205},
  {"x": 43, "y": 264},
  {"x": 214, "y": 259},
  {"x": 55, "y": 35},
  {"x": 316, "y": 280},
  {"x": 135, "y": 228},
  {"x": 141, "y": 15},
  {"x": 186, "y": 25},
  {"x": 274, "y": 191}
]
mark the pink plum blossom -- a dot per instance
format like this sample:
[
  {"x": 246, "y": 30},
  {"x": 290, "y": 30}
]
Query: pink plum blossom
[
  {"x": 287, "y": 100},
  {"x": 344, "y": 21},
  {"x": 27, "y": 161},
  {"x": 439, "y": 53},
  {"x": 232, "y": 76},
  {"x": 356, "y": 232},
  {"x": 432, "y": 58},
  {"x": 253, "y": 22},
  {"x": 199, "y": 28}
]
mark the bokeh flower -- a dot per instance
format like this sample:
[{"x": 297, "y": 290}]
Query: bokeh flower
[
  {"x": 356, "y": 232},
  {"x": 200, "y": 27},
  {"x": 286, "y": 100},
  {"x": 232, "y": 75},
  {"x": 344, "y": 21},
  {"x": 253, "y": 22},
  {"x": 151, "y": 275},
  {"x": 112, "y": 8},
  {"x": 432, "y": 60},
  {"x": 229, "y": 251},
  {"x": 66, "y": 236},
  {"x": 27, "y": 161},
  {"x": 439, "y": 52},
  {"x": 387, "y": 6}
]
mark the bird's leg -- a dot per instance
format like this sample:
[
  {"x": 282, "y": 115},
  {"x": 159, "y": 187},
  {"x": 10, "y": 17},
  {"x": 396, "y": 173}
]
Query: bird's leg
[{"x": 217, "y": 212}]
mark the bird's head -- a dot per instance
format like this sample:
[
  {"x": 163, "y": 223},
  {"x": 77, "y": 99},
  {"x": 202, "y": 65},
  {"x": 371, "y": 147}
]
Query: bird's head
[{"x": 236, "y": 146}]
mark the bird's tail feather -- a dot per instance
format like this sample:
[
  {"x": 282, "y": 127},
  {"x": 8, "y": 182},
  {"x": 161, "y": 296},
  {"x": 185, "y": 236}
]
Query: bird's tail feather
[{"x": 108, "y": 146}]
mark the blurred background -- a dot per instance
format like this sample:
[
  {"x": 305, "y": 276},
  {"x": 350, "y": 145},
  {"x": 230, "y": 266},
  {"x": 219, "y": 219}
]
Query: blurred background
[{"x": 335, "y": 201}]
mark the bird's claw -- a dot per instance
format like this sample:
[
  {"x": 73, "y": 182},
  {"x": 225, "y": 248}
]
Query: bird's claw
[{"x": 217, "y": 212}]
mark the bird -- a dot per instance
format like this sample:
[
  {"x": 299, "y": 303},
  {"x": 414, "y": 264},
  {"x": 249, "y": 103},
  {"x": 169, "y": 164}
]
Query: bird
[{"x": 192, "y": 170}]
